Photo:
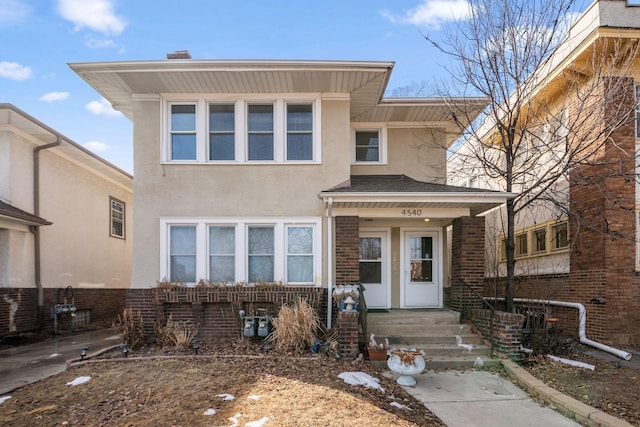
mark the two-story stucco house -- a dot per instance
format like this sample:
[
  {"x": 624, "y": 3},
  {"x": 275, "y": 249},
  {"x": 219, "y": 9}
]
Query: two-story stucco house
[
  {"x": 65, "y": 230},
  {"x": 297, "y": 172}
]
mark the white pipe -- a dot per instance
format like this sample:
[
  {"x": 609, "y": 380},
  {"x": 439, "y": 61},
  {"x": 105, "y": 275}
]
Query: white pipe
[
  {"x": 572, "y": 362},
  {"x": 582, "y": 326},
  {"x": 329, "y": 213}
]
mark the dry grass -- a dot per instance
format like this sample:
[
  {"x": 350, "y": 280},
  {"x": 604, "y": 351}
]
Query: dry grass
[
  {"x": 296, "y": 327},
  {"x": 176, "y": 333},
  {"x": 131, "y": 328}
]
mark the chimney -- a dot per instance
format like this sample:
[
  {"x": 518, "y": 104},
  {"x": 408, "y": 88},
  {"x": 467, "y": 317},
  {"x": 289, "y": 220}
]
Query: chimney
[{"x": 179, "y": 54}]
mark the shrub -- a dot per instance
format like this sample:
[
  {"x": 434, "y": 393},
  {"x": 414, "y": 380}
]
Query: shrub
[
  {"x": 296, "y": 327},
  {"x": 131, "y": 328},
  {"x": 178, "y": 333}
]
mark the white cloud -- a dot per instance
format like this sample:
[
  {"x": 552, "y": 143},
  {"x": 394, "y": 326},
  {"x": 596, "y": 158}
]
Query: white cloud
[
  {"x": 14, "y": 71},
  {"x": 13, "y": 11},
  {"x": 97, "y": 15},
  {"x": 432, "y": 13},
  {"x": 102, "y": 108},
  {"x": 95, "y": 43},
  {"x": 54, "y": 96},
  {"x": 96, "y": 146}
]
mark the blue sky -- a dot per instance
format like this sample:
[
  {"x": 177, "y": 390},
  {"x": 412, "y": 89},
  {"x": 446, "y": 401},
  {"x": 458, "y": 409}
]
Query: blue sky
[{"x": 40, "y": 37}]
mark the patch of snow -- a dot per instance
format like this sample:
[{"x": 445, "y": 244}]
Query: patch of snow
[
  {"x": 112, "y": 338},
  {"x": 400, "y": 406},
  {"x": 51, "y": 356},
  {"x": 253, "y": 397},
  {"x": 4, "y": 399},
  {"x": 258, "y": 423},
  {"x": 226, "y": 396},
  {"x": 234, "y": 420},
  {"x": 361, "y": 378},
  {"x": 209, "y": 412},
  {"x": 79, "y": 380}
]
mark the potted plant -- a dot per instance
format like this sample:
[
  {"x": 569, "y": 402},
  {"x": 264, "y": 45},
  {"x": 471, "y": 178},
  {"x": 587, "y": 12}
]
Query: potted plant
[
  {"x": 377, "y": 351},
  {"x": 406, "y": 363}
]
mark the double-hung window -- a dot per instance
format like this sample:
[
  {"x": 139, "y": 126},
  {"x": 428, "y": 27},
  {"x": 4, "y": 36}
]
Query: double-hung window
[
  {"x": 222, "y": 125},
  {"x": 369, "y": 143},
  {"x": 539, "y": 240},
  {"x": 522, "y": 245},
  {"x": 299, "y": 254},
  {"x": 183, "y": 132},
  {"x": 260, "y": 131},
  {"x": 117, "y": 218},
  {"x": 261, "y": 253},
  {"x": 182, "y": 244},
  {"x": 222, "y": 254},
  {"x": 299, "y": 132},
  {"x": 559, "y": 235}
]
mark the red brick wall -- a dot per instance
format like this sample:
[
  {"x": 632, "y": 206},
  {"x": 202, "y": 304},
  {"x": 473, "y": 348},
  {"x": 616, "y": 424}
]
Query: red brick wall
[
  {"x": 467, "y": 256},
  {"x": 348, "y": 339},
  {"x": 216, "y": 309},
  {"x": 105, "y": 306},
  {"x": 347, "y": 244},
  {"x": 507, "y": 330}
]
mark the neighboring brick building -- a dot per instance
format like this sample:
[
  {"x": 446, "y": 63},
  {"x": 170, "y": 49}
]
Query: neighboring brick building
[{"x": 588, "y": 253}]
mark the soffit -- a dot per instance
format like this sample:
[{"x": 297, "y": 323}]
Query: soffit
[{"x": 119, "y": 81}]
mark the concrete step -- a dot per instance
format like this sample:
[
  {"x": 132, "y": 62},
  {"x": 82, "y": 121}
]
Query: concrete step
[
  {"x": 429, "y": 338},
  {"x": 452, "y": 350},
  {"x": 391, "y": 329},
  {"x": 410, "y": 317}
]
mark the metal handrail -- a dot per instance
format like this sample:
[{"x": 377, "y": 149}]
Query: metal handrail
[
  {"x": 475, "y": 300},
  {"x": 362, "y": 309}
]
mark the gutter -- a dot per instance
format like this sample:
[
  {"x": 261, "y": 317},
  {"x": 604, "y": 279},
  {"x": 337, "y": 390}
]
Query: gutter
[
  {"x": 36, "y": 230},
  {"x": 329, "y": 215}
]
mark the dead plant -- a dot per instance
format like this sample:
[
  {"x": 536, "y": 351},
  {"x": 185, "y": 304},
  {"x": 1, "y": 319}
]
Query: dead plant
[
  {"x": 295, "y": 328},
  {"x": 178, "y": 333},
  {"x": 131, "y": 327}
]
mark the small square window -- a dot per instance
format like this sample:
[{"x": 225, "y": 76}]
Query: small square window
[
  {"x": 117, "y": 210},
  {"x": 367, "y": 146}
]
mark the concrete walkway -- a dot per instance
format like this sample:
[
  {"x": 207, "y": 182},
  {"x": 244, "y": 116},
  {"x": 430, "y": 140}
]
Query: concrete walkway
[
  {"x": 31, "y": 363},
  {"x": 482, "y": 399}
]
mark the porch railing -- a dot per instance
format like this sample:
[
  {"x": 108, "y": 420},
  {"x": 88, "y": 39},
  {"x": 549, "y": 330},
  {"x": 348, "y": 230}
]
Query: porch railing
[
  {"x": 475, "y": 309},
  {"x": 362, "y": 312}
]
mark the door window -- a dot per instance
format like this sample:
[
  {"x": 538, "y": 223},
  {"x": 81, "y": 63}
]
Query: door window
[{"x": 421, "y": 259}]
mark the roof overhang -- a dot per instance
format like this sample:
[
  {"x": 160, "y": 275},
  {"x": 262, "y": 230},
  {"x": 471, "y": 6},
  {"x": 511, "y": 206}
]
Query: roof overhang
[
  {"x": 14, "y": 215},
  {"x": 440, "y": 205},
  {"x": 118, "y": 82}
]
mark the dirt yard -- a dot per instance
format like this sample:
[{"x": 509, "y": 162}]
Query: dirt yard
[
  {"x": 271, "y": 390},
  {"x": 226, "y": 390}
]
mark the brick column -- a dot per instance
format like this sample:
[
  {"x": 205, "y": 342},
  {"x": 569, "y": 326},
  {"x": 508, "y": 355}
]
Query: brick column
[
  {"x": 348, "y": 334},
  {"x": 467, "y": 256},
  {"x": 347, "y": 244}
]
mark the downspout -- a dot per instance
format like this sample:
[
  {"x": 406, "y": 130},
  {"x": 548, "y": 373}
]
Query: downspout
[
  {"x": 582, "y": 327},
  {"x": 328, "y": 214},
  {"x": 36, "y": 230}
]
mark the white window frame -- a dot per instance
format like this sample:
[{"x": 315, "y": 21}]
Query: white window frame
[
  {"x": 241, "y": 102},
  {"x": 241, "y": 238},
  {"x": 381, "y": 128},
  {"x": 113, "y": 200}
]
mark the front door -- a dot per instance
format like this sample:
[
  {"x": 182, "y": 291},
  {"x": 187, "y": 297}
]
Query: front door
[
  {"x": 422, "y": 275},
  {"x": 374, "y": 268}
]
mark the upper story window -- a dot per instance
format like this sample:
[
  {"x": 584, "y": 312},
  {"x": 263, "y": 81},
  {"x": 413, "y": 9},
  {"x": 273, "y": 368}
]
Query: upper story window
[
  {"x": 369, "y": 142},
  {"x": 117, "y": 218},
  {"x": 242, "y": 129},
  {"x": 559, "y": 235},
  {"x": 522, "y": 245},
  {"x": 222, "y": 131},
  {"x": 183, "y": 132},
  {"x": 539, "y": 237}
]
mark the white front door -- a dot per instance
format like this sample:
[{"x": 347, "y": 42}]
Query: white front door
[
  {"x": 374, "y": 268},
  {"x": 422, "y": 264}
]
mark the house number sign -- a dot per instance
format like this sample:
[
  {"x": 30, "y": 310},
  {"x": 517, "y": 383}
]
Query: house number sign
[{"x": 411, "y": 212}]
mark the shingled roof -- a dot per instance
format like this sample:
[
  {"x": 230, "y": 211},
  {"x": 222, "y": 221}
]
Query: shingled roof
[{"x": 397, "y": 184}]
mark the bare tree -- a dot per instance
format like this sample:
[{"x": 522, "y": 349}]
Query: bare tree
[{"x": 553, "y": 105}]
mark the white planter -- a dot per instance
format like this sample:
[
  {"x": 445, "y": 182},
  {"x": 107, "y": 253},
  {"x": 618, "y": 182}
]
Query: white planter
[{"x": 406, "y": 370}]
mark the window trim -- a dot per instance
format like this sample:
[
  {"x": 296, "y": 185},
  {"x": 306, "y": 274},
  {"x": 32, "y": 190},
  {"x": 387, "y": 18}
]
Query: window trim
[
  {"x": 241, "y": 250},
  {"x": 241, "y": 103},
  {"x": 124, "y": 218},
  {"x": 526, "y": 248},
  {"x": 381, "y": 128},
  {"x": 552, "y": 248},
  {"x": 530, "y": 233},
  {"x": 534, "y": 240}
]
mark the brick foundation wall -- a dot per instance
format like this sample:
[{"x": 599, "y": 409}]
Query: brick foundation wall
[
  {"x": 104, "y": 305},
  {"x": 467, "y": 257},
  {"x": 216, "y": 309},
  {"x": 347, "y": 244},
  {"x": 507, "y": 330}
]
